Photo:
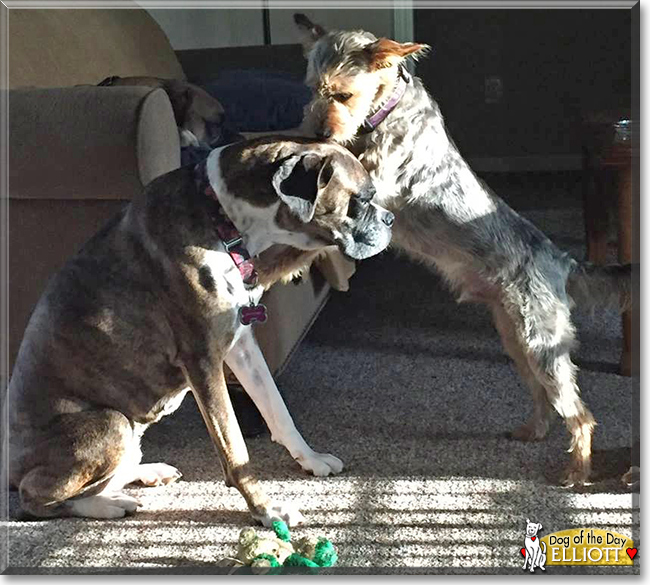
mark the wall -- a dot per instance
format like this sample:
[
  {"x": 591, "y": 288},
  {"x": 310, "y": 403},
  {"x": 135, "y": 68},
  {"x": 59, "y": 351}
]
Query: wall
[
  {"x": 201, "y": 29},
  {"x": 554, "y": 66}
]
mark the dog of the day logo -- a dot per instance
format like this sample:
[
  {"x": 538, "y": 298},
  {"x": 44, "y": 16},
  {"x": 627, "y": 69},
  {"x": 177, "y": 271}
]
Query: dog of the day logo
[{"x": 575, "y": 547}]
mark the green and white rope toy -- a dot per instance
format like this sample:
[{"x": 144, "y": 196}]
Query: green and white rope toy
[{"x": 272, "y": 554}]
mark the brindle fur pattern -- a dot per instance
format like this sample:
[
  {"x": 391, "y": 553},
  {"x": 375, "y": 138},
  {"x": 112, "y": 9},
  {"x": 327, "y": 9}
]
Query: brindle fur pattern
[
  {"x": 148, "y": 310},
  {"x": 448, "y": 219}
]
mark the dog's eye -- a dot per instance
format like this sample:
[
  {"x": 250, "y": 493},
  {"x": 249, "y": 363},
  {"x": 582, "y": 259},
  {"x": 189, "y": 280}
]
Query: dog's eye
[
  {"x": 357, "y": 207},
  {"x": 342, "y": 97},
  {"x": 366, "y": 194}
]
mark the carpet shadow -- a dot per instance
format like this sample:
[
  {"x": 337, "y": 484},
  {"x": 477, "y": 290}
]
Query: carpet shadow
[
  {"x": 593, "y": 366},
  {"x": 233, "y": 517}
]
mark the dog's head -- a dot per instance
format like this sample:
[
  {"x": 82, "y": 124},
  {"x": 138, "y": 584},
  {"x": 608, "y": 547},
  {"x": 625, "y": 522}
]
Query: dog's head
[
  {"x": 351, "y": 73},
  {"x": 200, "y": 117},
  {"x": 532, "y": 528},
  {"x": 309, "y": 195}
]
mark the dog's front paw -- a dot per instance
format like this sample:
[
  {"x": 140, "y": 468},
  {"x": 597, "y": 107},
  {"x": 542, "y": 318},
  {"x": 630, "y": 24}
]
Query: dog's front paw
[
  {"x": 320, "y": 464},
  {"x": 279, "y": 511}
]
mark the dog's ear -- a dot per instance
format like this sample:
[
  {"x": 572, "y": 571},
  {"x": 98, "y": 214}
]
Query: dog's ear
[
  {"x": 539, "y": 526},
  {"x": 387, "y": 53},
  {"x": 180, "y": 96},
  {"x": 527, "y": 520},
  {"x": 309, "y": 32},
  {"x": 299, "y": 180}
]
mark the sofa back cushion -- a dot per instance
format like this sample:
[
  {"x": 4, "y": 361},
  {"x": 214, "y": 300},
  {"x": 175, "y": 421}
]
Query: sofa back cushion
[{"x": 59, "y": 48}]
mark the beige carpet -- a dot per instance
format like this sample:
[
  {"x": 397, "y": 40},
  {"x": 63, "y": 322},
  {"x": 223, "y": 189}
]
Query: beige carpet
[{"x": 414, "y": 394}]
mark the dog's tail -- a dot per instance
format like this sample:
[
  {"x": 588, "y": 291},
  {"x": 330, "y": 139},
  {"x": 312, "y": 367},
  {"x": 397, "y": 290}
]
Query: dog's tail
[{"x": 591, "y": 286}]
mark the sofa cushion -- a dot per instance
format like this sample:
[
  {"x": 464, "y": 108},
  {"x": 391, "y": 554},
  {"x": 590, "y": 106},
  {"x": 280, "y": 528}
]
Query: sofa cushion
[{"x": 57, "y": 48}]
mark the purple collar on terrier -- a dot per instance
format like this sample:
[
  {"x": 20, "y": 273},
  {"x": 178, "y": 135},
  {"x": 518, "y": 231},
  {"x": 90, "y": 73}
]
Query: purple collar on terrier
[
  {"x": 234, "y": 244},
  {"x": 380, "y": 115}
]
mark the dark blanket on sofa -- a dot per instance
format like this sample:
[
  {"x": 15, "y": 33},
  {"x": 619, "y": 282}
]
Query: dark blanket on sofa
[
  {"x": 254, "y": 101},
  {"x": 260, "y": 100}
]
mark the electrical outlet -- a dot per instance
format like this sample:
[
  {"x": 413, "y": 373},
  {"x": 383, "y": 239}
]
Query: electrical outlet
[{"x": 493, "y": 89}]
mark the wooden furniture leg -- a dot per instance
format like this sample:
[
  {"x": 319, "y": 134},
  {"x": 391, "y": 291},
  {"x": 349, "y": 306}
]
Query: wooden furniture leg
[
  {"x": 595, "y": 213},
  {"x": 625, "y": 257}
]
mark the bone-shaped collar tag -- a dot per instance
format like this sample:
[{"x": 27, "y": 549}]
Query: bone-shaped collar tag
[{"x": 252, "y": 314}]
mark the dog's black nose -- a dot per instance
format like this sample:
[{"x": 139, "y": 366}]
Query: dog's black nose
[
  {"x": 388, "y": 218},
  {"x": 324, "y": 133}
]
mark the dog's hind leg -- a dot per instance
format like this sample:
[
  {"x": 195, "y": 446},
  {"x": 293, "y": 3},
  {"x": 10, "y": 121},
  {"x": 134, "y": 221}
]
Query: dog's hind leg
[
  {"x": 552, "y": 365},
  {"x": 537, "y": 427},
  {"x": 74, "y": 464},
  {"x": 558, "y": 375},
  {"x": 131, "y": 470}
]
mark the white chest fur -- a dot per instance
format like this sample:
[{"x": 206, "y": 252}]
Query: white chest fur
[{"x": 229, "y": 291}]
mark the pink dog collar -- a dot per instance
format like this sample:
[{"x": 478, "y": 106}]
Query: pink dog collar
[
  {"x": 233, "y": 242},
  {"x": 380, "y": 115}
]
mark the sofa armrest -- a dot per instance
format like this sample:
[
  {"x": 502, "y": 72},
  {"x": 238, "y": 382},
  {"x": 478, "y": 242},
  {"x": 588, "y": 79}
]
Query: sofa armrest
[{"x": 89, "y": 142}]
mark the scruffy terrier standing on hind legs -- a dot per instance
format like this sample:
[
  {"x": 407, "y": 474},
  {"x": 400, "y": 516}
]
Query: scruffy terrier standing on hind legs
[{"x": 365, "y": 99}]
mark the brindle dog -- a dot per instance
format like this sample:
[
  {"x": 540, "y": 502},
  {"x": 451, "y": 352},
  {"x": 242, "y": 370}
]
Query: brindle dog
[{"x": 151, "y": 308}]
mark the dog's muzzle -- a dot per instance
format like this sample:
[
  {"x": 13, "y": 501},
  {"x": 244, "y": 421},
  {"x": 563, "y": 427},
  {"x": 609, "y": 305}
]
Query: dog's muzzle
[{"x": 371, "y": 233}]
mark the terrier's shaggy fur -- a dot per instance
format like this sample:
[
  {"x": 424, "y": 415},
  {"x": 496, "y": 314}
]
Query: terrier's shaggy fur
[{"x": 447, "y": 218}]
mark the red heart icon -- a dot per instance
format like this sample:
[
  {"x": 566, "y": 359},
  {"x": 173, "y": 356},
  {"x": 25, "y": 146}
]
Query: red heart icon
[
  {"x": 523, "y": 552},
  {"x": 631, "y": 552},
  {"x": 533, "y": 538}
]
